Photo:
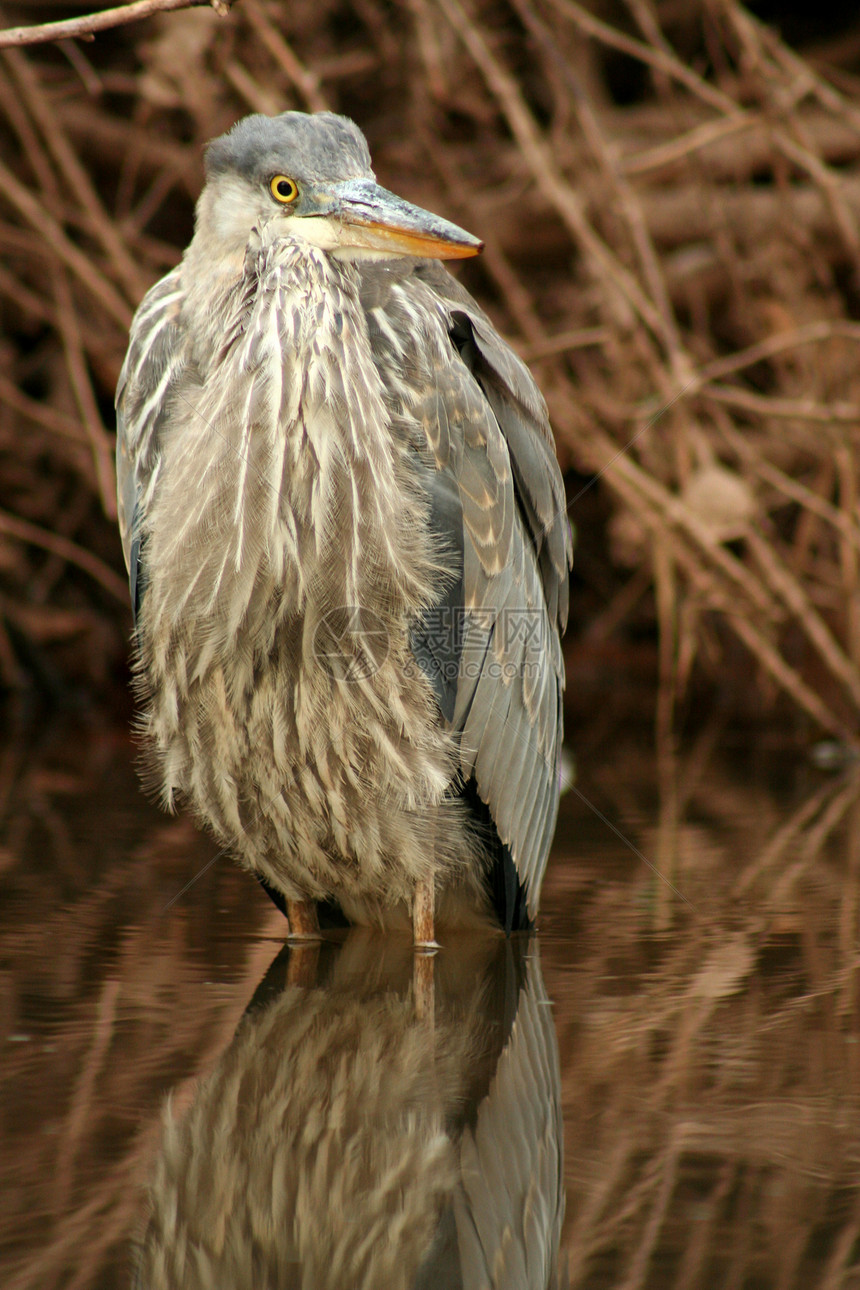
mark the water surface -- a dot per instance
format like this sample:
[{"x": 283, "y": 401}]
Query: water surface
[{"x": 660, "y": 1089}]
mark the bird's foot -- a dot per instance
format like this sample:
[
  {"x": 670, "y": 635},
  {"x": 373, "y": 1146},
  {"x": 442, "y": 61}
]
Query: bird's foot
[{"x": 303, "y": 921}]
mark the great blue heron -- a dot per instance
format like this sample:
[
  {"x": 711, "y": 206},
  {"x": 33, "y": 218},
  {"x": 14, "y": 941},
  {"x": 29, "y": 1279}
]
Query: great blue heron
[{"x": 348, "y": 551}]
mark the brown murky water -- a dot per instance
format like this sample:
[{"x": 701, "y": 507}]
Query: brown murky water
[{"x": 662, "y": 1089}]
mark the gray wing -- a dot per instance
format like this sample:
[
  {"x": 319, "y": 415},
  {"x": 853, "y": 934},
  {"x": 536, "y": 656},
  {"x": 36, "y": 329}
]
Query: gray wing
[
  {"x": 491, "y": 645},
  {"x": 152, "y": 364},
  {"x": 522, "y": 416},
  {"x": 510, "y": 1203}
]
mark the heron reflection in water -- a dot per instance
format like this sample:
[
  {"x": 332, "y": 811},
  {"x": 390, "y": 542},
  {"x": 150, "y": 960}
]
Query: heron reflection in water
[
  {"x": 341, "y": 1141},
  {"x": 348, "y": 551}
]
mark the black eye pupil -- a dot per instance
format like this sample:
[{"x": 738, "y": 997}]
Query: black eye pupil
[{"x": 285, "y": 188}]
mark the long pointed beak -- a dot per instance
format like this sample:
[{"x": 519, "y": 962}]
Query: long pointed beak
[{"x": 375, "y": 219}]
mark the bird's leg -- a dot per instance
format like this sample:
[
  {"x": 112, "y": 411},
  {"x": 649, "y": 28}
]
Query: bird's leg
[
  {"x": 423, "y": 914},
  {"x": 426, "y": 945},
  {"x": 302, "y": 917}
]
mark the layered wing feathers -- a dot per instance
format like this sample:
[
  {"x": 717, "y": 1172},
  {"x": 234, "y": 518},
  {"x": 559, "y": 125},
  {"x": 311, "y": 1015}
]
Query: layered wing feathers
[
  {"x": 153, "y": 364},
  {"x": 486, "y": 428}
]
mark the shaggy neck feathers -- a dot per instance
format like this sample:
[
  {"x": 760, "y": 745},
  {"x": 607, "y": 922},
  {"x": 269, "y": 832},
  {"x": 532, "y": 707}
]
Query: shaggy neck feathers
[{"x": 287, "y": 469}]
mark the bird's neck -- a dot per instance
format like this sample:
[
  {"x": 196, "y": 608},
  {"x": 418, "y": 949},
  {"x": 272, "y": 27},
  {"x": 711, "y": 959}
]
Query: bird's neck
[{"x": 299, "y": 493}]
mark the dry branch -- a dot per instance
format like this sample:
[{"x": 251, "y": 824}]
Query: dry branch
[
  {"x": 67, "y": 551},
  {"x": 85, "y": 27}
]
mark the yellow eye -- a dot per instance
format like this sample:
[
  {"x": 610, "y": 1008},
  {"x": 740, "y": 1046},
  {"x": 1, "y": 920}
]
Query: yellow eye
[{"x": 284, "y": 189}]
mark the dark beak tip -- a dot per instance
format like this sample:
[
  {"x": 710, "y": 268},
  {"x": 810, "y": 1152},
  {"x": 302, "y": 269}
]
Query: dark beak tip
[{"x": 466, "y": 250}]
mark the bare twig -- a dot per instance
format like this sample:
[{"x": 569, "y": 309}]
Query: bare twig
[
  {"x": 306, "y": 82},
  {"x": 778, "y": 344},
  {"x": 659, "y": 59},
  {"x": 543, "y": 167},
  {"x": 66, "y": 550},
  {"x": 85, "y": 27},
  {"x": 44, "y": 415},
  {"x": 790, "y": 591},
  {"x": 563, "y": 342},
  {"x": 807, "y": 498},
  {"x": 57, "y": 243},
  {"x": 785, "y": 409},
  {"x": 53, "y": 132}
]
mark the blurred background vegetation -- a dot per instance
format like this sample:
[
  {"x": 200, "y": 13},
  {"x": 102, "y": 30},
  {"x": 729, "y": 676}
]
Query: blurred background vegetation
[
  {"x": 669, "y": 191},
  {"x": 669, "y": 195}
]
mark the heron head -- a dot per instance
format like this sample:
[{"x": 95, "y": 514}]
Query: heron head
[{"x": 314, "y": 173}]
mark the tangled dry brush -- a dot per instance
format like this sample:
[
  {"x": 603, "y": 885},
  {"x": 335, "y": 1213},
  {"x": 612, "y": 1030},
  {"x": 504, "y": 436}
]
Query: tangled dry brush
[{"x": 669, "y": 195}]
